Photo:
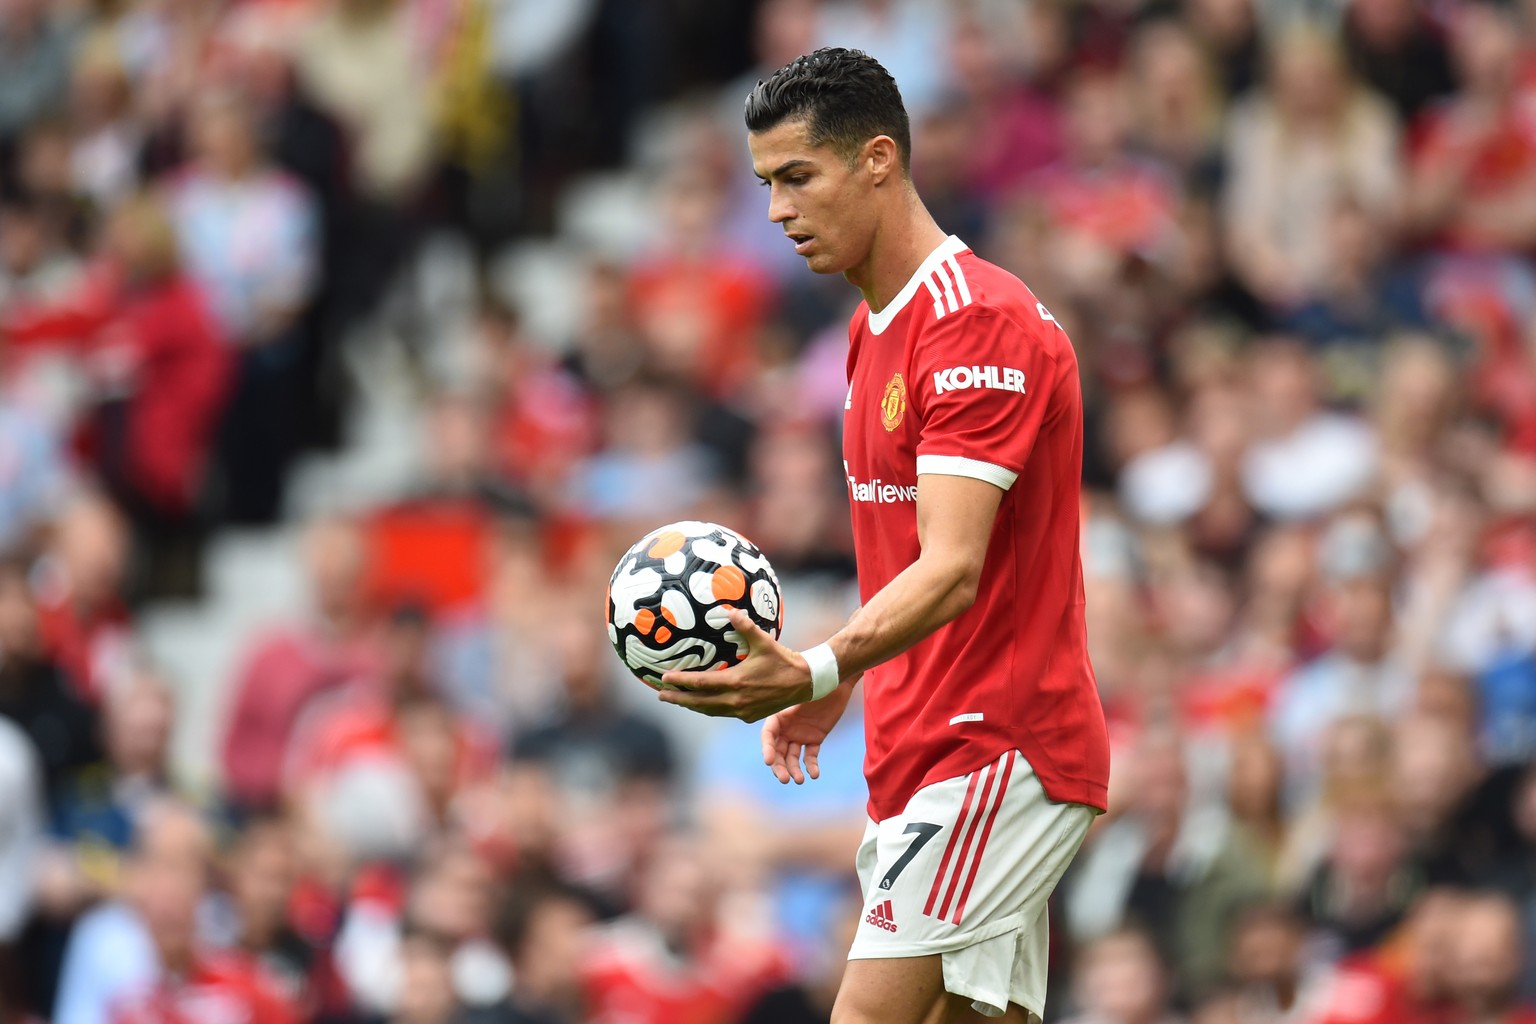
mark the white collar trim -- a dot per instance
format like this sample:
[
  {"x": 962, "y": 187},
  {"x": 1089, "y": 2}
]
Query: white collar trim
[{"x": 951, "y": 246}]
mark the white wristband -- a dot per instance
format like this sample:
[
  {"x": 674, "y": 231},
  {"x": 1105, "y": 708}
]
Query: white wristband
[{"x": 824, "y": 672}]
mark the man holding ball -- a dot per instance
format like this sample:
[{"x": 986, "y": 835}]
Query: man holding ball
[{"x": 987, "y": 756}]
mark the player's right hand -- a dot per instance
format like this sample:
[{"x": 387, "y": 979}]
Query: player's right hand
[{"x": 795, "y": 735}]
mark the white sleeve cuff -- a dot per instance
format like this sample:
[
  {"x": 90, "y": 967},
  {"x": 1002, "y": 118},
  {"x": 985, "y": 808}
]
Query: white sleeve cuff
[{"x": 957, "y": 465}]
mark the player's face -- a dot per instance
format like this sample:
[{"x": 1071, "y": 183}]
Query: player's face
[{"x": 821, "y": 202}]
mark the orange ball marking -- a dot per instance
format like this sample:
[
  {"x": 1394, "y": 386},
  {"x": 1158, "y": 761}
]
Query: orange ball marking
[
  {"x": 728, "y": 583},
  {"x": 663, "y": 635},
  {"x": 668, "y": 543},
  {"x": 666, "y": 613},
  {"x": 644, "y": 620}
]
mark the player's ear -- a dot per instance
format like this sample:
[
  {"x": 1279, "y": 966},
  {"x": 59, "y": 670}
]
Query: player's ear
[{"x": 881, "y": 158}]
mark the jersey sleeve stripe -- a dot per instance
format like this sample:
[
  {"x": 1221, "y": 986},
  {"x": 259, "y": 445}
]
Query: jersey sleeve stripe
[
  {"x": 949, "y": 289},
  {"x": 965, "y": 289},
  {"x": 878, "y": 322},
  {"x": 986, "y": 831},
  {"x": 938, "y": 304},
  {"x": 958, "y": 465}
]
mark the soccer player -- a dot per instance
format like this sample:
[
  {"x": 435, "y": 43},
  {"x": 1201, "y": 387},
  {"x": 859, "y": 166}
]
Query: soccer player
[{"x": 987, "y": 756}]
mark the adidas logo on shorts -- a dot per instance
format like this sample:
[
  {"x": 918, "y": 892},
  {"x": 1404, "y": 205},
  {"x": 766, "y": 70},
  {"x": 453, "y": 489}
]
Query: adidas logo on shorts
[{"x": 882, "y": 916}]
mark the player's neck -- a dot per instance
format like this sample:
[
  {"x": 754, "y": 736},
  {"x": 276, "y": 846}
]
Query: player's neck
[{"x": 900, "y": 246}]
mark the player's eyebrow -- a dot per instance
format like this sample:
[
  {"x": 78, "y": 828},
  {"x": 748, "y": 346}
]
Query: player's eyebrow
[{"x": 783, "y": 169}]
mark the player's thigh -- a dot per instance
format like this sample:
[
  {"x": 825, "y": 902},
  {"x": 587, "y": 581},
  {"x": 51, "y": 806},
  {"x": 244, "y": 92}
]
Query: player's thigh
[{"x": 897, "y": 990}]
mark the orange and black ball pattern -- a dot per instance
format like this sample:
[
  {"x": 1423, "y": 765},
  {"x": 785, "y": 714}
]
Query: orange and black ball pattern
[{"x": 670, "y": 594}]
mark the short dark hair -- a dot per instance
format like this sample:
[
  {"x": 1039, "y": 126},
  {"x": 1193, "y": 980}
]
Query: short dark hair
[{"x": 845, "y": 96}]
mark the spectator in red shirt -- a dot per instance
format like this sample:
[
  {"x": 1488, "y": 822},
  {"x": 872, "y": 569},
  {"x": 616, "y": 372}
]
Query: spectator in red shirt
[
  {"x": 79, "y": 595},
  {"x": 1104, "y": 204},
  {"x": 395, "y": 716},
  {"x": 542, "y": 419},
  {"x": 681, "y": 957},
  {"x": 698, "y": 305},
  {"x": 1472, "y": 184},
  {"x": 263, "y": 871},
  {"x": 1406, "y": 980},
  {"x": 1487, "y": 963},
  {"x": 1010, "y": 116},
  {"x": 160, "y": 372},
  {"x": 290, "y": 666},
  {"x": 193, "y": 985}
]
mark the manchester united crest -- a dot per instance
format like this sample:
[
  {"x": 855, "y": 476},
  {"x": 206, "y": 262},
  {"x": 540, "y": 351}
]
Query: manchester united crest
[{"x": 893, "y": 405}]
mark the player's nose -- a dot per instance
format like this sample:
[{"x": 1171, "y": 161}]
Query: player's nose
[{"x": 780, "y": 209}]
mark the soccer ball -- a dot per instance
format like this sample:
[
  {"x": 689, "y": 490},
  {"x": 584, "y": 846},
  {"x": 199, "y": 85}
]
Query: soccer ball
[{"x": 670, "y": 594}]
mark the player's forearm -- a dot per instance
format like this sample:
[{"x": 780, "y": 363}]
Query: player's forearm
[{"x": 929, "y": 593}]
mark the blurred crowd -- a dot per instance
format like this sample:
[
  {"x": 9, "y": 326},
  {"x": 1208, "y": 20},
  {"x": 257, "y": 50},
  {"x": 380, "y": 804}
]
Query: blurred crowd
[{"x": 1294, "y": 242}]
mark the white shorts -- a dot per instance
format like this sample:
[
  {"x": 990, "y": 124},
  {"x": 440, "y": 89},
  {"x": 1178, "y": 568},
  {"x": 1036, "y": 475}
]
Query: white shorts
[{"x": 965, "y": 872}]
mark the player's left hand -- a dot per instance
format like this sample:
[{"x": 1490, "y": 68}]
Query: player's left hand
[{"x": 771, "y": 678}]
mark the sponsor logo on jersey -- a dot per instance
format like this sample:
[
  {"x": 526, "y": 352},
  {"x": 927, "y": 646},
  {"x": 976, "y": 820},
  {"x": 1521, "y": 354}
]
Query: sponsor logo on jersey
[
  {"x": 877, "y": 491},
  {"x": 893, "y": 404},
  {"x": 959, "y": 378},
  {"x": 882, "y": 916}
]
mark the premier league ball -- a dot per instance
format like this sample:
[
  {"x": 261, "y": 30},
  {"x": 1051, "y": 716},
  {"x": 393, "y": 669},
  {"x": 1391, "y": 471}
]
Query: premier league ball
[{"x": 670, "y": 594}]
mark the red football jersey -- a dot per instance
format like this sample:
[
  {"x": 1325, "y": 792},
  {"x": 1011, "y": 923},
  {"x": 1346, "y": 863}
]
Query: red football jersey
[
  {"x": 965, "y": 373},
  {"x": 218, "y": 988}
]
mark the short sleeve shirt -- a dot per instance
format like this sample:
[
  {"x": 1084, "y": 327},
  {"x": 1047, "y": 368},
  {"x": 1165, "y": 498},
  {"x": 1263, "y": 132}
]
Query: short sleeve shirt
[{"x": 966, "y": 373}]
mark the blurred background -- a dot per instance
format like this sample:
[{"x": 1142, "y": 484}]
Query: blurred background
[{"x": 344, "y": 344}]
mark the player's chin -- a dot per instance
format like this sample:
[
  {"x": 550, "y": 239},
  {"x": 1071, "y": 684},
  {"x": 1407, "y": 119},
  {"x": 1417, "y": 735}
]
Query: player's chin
[{"x": 824, "y": 263}]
